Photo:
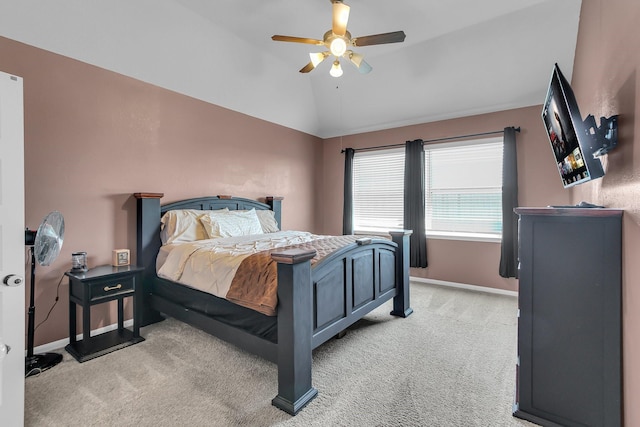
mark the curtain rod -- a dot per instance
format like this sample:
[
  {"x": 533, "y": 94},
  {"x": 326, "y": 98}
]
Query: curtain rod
[{"x": 379, "y": 147}]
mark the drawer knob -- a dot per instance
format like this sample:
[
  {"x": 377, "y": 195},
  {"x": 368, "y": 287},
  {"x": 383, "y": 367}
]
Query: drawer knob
[{"x": 112, "y": 288}]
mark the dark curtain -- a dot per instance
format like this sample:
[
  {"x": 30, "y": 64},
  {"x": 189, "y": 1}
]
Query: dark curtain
[
  {"x": 347, "y": 213},
  {"x": 414, "y": 215},
  {"x": 509, "y": 245}
]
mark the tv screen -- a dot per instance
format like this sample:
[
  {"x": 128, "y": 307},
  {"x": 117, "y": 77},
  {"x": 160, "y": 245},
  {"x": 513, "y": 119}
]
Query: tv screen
[{"x": 570, "y": 140}]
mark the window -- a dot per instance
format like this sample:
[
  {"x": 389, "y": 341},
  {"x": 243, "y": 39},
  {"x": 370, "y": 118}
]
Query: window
[
  {"x": 378, "y": 195},
  {"x": 463, "y": 189},
  {"x": 463, "y": 186}
]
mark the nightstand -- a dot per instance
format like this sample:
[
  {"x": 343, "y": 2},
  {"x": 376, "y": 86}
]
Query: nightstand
[{"x": 96, "y": 286}]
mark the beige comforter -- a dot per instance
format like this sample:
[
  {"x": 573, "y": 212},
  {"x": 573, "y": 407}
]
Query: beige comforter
[{"x": 240, "y": 269}]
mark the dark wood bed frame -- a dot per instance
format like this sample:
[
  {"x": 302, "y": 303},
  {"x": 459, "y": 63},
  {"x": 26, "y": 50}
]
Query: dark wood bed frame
[{"x": 314, "y": 303}]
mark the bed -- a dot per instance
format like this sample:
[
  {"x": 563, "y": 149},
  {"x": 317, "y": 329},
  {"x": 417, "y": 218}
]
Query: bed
[{"x": 314, "y": 302}]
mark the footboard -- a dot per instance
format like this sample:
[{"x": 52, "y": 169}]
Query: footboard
[
  {"x": 350, "y": 283},
  {"x": 314, "y": 304}
]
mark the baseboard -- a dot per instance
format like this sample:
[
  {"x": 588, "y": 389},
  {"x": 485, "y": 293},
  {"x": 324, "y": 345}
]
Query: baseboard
[
  {"x": 464, "y": 286},
  {"x": 60, "y": 344}
]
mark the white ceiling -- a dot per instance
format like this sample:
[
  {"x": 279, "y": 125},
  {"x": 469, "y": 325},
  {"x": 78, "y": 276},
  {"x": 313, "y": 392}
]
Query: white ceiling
[{"x": 460, "y": 57}]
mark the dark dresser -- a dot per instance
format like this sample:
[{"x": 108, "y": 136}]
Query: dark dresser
[{"x": 569, "y": 369}]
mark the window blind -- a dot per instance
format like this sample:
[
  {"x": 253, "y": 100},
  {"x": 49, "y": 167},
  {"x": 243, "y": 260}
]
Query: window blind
[
  {"x": 464, "y": 187},
  {"x": 378, "y": 182}
]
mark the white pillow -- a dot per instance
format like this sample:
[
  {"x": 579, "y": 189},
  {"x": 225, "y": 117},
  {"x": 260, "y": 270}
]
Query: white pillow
[
  {"x": 183, "y": 225},
  {"x": 231, "y": 224},
  {"x": 267, "y": 220}
]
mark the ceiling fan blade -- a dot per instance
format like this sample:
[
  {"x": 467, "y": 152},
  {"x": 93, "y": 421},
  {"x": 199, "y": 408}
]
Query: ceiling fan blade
[
  {"x": 307, "y": 68},
  {"x": 297, "y": 40},
  {"x": 340, "y": 18},
  {"x": 394, "y": 37}
]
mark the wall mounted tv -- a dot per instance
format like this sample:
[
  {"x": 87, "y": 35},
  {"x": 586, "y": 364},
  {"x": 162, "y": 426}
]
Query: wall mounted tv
[{"x": 576, "y": 144}]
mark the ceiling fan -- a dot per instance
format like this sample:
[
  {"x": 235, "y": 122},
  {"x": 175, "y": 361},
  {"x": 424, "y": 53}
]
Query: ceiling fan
[{"x": 339, "y": 42}]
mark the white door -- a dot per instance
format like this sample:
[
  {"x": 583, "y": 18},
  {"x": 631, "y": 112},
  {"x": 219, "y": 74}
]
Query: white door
[{"x": 12, "y": 252}]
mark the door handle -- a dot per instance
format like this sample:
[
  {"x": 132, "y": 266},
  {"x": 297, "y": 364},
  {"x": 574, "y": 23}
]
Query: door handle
[
  {"x": 4, "y": 350},
  {"x": 13, "y": 280}
]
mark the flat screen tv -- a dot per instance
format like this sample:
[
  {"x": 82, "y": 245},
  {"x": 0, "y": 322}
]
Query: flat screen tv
[{"x": 571, "y": 141}]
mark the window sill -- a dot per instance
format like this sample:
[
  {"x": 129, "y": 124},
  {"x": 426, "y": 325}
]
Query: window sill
[{"x": 469, "y": 237}]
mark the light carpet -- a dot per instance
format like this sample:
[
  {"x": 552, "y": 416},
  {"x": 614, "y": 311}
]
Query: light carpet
[{"x": 451, "y": 363}]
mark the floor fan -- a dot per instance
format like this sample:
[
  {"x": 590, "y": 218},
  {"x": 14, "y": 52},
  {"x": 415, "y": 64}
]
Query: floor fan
[{"x": 45, "y": 244}]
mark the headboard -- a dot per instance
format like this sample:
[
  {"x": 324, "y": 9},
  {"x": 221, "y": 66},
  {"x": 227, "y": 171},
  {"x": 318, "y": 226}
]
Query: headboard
[
  {"x": 149, "y": 212},
  {"x": 229, "y": 202}
]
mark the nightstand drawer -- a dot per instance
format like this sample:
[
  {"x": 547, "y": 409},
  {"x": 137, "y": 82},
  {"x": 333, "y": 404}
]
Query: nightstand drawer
[
  {"x": 110, "y": 288},
  {"x": 102, "y": 284}
]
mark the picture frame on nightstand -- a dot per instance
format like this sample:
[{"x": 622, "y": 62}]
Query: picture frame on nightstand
[{"x": 120, "y": 257}]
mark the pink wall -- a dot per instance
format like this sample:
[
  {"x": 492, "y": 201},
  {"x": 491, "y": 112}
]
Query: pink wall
[
  {"x": 94, "y": 137},
  {"x": 606, "y": 82},
  {"x": 453, "y": 260}
]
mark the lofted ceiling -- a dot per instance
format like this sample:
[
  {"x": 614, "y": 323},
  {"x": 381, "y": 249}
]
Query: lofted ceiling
[{"x": 460, "y": 57}]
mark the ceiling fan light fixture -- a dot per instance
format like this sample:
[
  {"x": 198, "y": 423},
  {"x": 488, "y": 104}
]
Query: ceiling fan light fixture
[
  {"x": 317, "y": 57},
  {"x": 358, "y": 60},
  {"x": 364, "y": 68},
  {"x": 336, "y": 69},
  {"x": 338, "y": 46},
  {"x": 355, "y": 58}
]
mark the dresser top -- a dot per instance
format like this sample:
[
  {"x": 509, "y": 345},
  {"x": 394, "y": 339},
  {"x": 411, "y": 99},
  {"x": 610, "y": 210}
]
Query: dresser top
[{"x": 569, "y": 211}]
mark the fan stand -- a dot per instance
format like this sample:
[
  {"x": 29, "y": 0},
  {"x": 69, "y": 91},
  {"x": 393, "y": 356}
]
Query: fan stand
[{"x": 34, "y": 364}]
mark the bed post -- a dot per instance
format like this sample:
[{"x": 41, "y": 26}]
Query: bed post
[
  {"x": 295, "y": 329},
  {"x": 147, "y": 244},
  {"x": 401, "y": 305},
  {"x": 276, "y": 207}
]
